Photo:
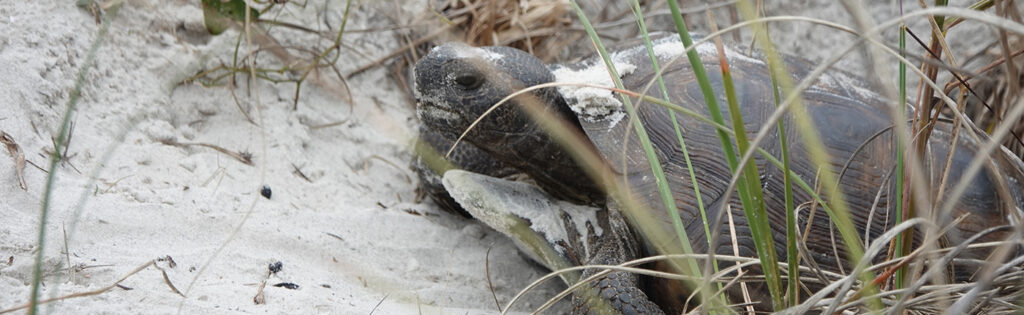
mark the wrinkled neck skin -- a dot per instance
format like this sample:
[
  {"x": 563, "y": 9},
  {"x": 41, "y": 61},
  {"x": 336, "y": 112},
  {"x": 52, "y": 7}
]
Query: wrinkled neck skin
[{"x": 536, "y": 153}]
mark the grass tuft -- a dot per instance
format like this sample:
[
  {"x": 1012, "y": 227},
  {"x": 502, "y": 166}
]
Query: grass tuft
[
  {"x": 55, "y": 156},
  {"x": 881, "y": 278},
  {"x": 687, "y": 266}
]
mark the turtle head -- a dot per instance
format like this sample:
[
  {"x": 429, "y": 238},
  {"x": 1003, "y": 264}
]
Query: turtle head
[{"x": 455, "y": 84}]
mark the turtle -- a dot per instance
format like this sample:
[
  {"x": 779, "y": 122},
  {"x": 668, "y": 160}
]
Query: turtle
[{"x": 456, "y": 84}]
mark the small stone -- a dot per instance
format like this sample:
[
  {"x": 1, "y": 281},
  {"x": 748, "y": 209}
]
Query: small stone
[
  {"x": 265, "y": 191},
  {"x": 276, "y": 267}
]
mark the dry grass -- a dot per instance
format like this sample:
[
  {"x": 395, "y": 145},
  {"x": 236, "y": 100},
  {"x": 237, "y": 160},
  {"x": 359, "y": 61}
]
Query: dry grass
[
  {"x": 527, "y": 25},
  {"x": 995, "y": 88},
  {"x": 986, "y": 87}
]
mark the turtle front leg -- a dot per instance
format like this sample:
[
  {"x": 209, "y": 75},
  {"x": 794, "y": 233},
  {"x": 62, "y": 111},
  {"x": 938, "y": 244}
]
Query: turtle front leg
[
  {"x": 618, "y": 291},
  {"x": 558, "y": 235},
  {"x": 466, "y": 156}
]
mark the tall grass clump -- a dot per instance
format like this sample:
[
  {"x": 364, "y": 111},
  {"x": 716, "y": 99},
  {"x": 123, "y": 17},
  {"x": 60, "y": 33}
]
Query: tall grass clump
[{"x": 902, "y": 268}]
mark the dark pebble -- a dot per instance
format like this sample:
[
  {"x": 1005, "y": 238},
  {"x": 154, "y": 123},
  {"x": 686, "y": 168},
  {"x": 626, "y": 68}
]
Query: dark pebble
[
  {"x": 276, "y": 267},
  {"x": 265, "y": 191}
]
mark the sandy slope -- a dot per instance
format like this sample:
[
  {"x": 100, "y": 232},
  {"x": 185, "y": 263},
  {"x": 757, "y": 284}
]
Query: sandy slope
[
  {"x": 350, "y": 237},
  {"x": 151, "y": 200}
]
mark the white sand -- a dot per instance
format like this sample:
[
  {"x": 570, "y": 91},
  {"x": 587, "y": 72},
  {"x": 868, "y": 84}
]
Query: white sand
[{"x": 151, "y": 200}]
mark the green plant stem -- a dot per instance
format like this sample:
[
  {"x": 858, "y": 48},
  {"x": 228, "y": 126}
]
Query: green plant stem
[
  {"x": 900, "y": 250},
  {"x": 980, "y": 6},
  {"x": 645, "y": 141},
  {"x": 679, "y": 136},
  {"x": 748, "y": 187},
  {"x": 51, "y": 176},
  {"x": 792, "y": 250},
  {"x": 938, "y": 18},
  {"x": 840, "y": 214}
]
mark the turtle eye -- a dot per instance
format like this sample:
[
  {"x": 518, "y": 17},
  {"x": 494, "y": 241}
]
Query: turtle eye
[{"x": 469, "y": 81}]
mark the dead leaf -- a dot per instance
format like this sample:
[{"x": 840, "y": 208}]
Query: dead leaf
[{"x": 19, "y": 158}]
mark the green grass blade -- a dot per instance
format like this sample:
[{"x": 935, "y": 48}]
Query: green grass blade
[
  {"x": 676, "y": 220},
  {"x": 900, "y": 250},
  {"x": 796, "y": 179},
  {"x": 792, "y": 250},
  {"x": 938, "y": 18},
  {"x": 839, "y": 213},
  {"x": 754, "y": 208},
  {"x": 51, "y": 176},
  {"x": 980, "y": 6},
  {"x": 645, "y": 141},
  {"x": 749, "y": 188}
]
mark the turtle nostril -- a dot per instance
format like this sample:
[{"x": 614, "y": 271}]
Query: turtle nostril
[{"x": 469, "y": 81}]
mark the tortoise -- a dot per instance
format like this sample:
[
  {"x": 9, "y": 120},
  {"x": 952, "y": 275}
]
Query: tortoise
[{"x": 455, "y": 84}]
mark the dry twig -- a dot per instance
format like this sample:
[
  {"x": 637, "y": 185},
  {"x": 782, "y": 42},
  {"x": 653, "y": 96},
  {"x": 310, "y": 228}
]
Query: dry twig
[{"x": 103, "y": 289}]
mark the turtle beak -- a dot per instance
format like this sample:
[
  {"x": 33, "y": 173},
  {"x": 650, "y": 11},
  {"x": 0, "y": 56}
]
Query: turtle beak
[
  {"x": 432, "y": 109},
  {"x": 436, "y": 114}
]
